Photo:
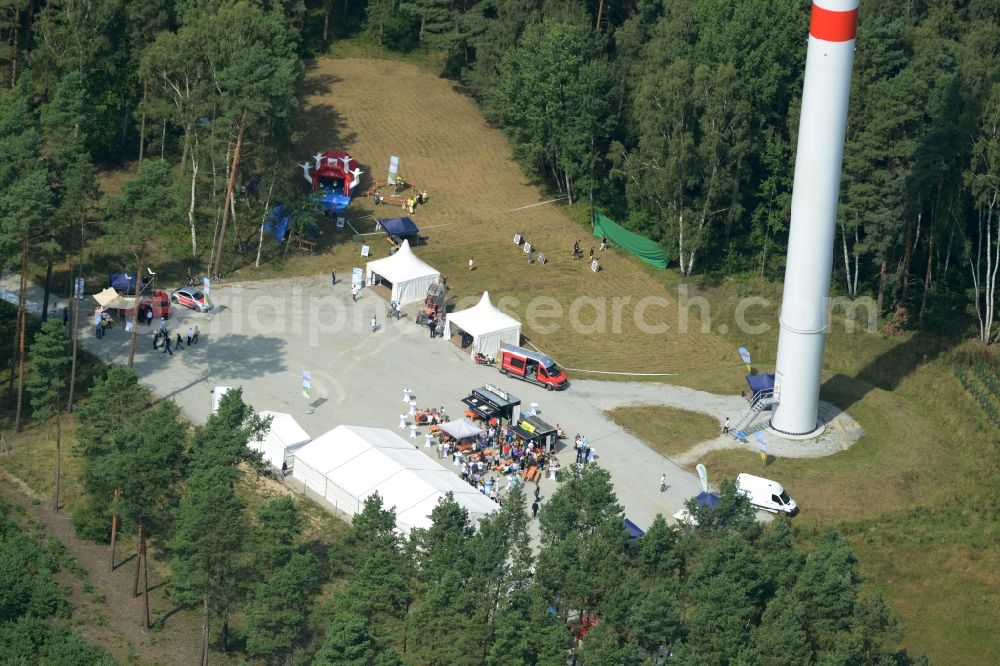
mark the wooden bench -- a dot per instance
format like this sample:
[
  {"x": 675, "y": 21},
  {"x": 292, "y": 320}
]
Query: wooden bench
[
  {"x": 531, "y": 474},
  {"x": 307, "y": 245}
]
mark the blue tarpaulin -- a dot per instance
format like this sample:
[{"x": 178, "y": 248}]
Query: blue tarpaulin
[
  {"x": 278, "y": 222},
  {"x": 331, "y": 201},
  {"x": 399, "y": 226},
  {"x": 760, "y": 384}
]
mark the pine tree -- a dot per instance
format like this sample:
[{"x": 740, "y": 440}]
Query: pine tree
[
  {"x": 277, "y": 615},
  {"x": 151, "y": 466},
  {"x": 50, "y": 369},
  {"x": 208, "y": 564}
]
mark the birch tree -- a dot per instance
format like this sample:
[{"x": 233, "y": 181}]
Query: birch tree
[{"x": 983, "y": 179}]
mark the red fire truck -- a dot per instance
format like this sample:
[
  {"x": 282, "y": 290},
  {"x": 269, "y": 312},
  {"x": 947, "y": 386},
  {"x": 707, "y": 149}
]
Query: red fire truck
[{"x": 531, "y": 366}]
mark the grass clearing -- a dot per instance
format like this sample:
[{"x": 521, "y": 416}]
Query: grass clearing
[{"x": 667, "y": 430}]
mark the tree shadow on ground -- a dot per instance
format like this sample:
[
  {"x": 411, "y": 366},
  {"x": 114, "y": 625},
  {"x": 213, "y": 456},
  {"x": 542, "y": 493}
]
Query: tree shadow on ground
[
  {"x": 322, "y": 126},
  {"x": 231, "y": 357}
]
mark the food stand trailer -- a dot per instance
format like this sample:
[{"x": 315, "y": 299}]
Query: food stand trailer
[
  {"x": 491, "y": 402},
  {"x": 537, "y": 433}
]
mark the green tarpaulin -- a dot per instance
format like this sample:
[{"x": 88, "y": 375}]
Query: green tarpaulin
[{"x": 647, "y": 250}]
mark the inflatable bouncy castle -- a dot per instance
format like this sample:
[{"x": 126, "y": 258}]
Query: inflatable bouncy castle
[{"x": 333, "y": 177}]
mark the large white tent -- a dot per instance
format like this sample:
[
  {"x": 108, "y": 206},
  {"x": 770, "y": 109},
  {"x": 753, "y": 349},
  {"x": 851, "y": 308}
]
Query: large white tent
[
  {"x": 489, "y": 327},
  {"x": 347, "y": 464},
  {"x": 409, "y": 276},
  {"x": 282, "y": 439}
]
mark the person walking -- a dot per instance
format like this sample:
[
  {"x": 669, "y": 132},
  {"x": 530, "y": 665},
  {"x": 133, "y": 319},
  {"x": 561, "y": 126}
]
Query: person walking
[
  {"x": 534, "y": 509},
  {"x": 333, "y": 278},
  {"x": 190, "y": 336},
  {"x": 725, "y": 427},
  {"x": 431, "y": 325},
  {"x": 663, "y": 483},
  {"x": 65, "y": 312},
  {"x": 156, "y": 340},
  {"x": 163, "y": 323},
  {"x": 196, "y": 331},
  {"x": 97, "y": 325},
  {"x": 354, "y": 293},
  {"x": 166, "y": 345},
  {"x": 374, "y": 324},
  {"x": 180, "y": 341},
  {"x": 149, "y": 316}
]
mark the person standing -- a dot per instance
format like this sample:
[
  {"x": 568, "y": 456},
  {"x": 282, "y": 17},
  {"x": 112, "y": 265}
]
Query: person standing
[
  {"x": 166, "y": 345},
  {"x": 431, "y": 325},
  {"x": 98, "y": 325},
  {"x": 190, "y": 336},
  {"x": 354, "y": 293},
  {"x": 374, "y": 324},
  {"x": 149, "y": 316},
  {"x": 725, "y": 427},
  {"x": 196, "y": 334},
  {"x": 534, "y": 509},
  {"x": 65, "y": 312},
  {"x": 663, "y": 483},
  {"x": 163, "y": 323},
  {"x": 333, "y": 278},
  {"x": 156, "y": 340}
]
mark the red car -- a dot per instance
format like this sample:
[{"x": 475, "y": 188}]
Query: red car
[{"x": 192, "y": 298}]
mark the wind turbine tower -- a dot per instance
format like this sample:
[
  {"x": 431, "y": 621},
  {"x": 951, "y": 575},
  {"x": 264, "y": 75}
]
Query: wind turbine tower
[{"x": 804, "y": 316}]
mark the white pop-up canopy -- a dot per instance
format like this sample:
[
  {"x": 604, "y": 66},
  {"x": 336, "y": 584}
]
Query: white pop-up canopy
[
  {"x": 409, "y": 276},
  {"x": 462, "y": 429},
  {"x": 109, "y": 298},
  {"x": 349, "y": 463},
  {"x": 489, "y": 327},
  {"x": 281, "y": 440}
]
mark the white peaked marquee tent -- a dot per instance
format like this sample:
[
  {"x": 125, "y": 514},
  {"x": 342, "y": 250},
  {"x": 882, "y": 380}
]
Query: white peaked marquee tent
[
  {"x": 347, "y": 464},
  {"x": 282, "y": 439},
  {"x": 489, "y": 327},
  {"x": 409, "y": 276}
]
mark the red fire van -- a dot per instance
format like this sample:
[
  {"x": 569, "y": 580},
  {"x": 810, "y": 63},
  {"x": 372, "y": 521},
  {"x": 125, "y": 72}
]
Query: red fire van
[{"x": 531, "y": 367}]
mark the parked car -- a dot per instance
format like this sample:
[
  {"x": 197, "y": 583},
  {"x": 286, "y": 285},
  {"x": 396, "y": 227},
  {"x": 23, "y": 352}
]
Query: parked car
[{"x": 191, "y": 297}]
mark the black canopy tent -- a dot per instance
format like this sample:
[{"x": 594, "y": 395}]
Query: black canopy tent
[{"x": 489, "y": 402}]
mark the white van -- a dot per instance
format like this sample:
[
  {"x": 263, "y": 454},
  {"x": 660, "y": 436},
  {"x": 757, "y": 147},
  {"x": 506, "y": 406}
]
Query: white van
[{"x": 766, "y": 494}]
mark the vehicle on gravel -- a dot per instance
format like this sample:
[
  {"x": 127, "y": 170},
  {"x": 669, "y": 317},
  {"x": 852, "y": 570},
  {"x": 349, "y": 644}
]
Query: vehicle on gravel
[{"x": 192, "y": 298}]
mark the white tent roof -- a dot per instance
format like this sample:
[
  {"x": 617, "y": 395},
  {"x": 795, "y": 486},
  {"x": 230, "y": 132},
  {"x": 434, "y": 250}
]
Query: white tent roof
[
  {"x": 489, "y": 327},
  {"x": 410, "y": 276},
  {"x": 281, "y": 439},
  {"x": 461, "y": 429},
  {"x": 362, "y": 461},
  {"x": 109, "y": 298},
  {"x": 285, "y": 429}
]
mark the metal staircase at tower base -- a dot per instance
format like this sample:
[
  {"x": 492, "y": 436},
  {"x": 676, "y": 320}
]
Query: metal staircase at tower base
[{"x": 744, "y": 424}]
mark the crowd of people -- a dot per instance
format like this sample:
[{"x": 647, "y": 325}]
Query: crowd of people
[
  {"x": 497, "y": 455},
  {"x": 161, "y": 337}
]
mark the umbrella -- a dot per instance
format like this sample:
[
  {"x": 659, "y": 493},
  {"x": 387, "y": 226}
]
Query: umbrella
[{"x": 706, "y": 499}]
